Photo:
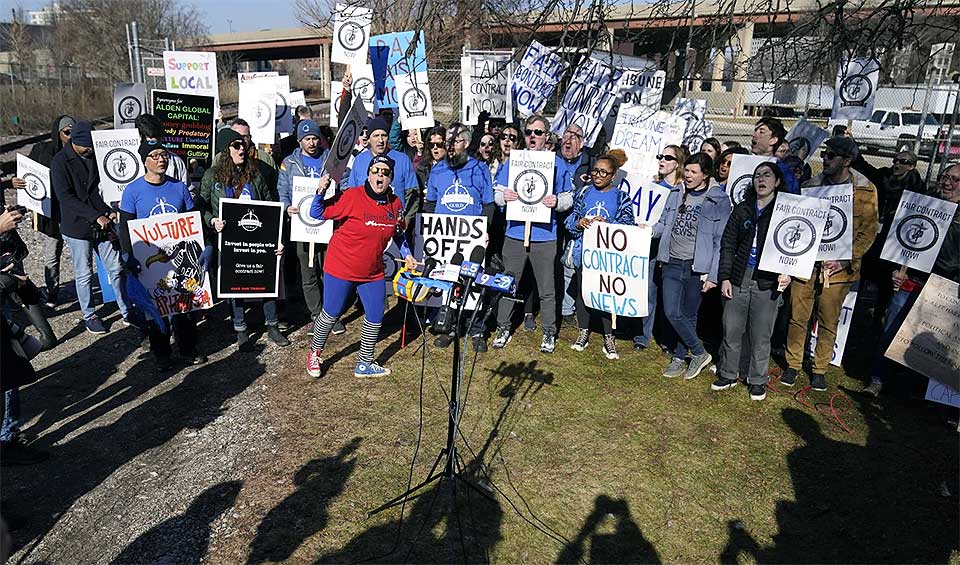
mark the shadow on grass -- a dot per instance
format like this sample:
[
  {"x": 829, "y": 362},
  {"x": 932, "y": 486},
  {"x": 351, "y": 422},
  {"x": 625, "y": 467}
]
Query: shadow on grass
[{"x": 625, "y": 544}]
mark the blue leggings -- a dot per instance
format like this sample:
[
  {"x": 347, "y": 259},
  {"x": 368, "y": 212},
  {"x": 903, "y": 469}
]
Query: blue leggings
[{"x": 336, "y": 291}]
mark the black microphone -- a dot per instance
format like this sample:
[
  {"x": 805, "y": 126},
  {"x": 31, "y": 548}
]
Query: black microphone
[{"x": 469, "y": 270}]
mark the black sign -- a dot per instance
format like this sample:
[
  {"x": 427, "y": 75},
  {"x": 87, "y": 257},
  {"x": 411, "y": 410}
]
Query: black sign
[
  {"x": 249, "y": 265},
  {"x": 187, "y": 123}
]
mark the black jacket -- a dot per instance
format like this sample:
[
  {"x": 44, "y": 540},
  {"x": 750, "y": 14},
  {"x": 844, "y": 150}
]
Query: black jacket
[
  {"x": 737, "y": 240},
  {"x": 76, "y": 182},
  {"x": 43, "y": 153},
  {"x": 889, "y": 191}
]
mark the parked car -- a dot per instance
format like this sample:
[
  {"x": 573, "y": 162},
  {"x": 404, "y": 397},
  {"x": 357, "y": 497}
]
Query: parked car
[{"x": 892, "y": 131}]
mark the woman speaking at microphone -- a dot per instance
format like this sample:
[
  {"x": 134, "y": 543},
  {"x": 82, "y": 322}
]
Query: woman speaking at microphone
[{"x": 366, "y": 219}]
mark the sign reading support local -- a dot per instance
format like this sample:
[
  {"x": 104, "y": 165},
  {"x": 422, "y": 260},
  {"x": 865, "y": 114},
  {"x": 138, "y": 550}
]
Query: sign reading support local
[
  {"x": 837, "y": 241},
  {"x": 589, "y": 97},
  {"x": 191, "y": 72},
  {"x": 187, "y": 123},
  {"x": 485, "y": 81},
  {"x": 36, "y": 195},
  {"x": 249, "y": 266},
  {"x": 919, "y": 228},
  {"x": 129, "y": 101},
  {"x": 616, "y": 264},
  {"x": 303, "y": 226},
  {"x": 531, "y": 177},
  {"x": 351, "y": 34},
  {"x": 117, "y": 159},
  {"x": 535, "y": 78},
  {"x": 793, "y": 239}
]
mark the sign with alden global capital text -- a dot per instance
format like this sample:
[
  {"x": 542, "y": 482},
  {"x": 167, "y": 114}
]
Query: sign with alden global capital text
[{"x": 187, "y": 123}]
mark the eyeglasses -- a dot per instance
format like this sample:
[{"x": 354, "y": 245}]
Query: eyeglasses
[
  {"x": 666, "y": 158},
  {"x": 952, "y": 178},
  {"x": 899, "y": 161},
  {"x": 437, "y": 144},
  {"x": 506, "y": 136},
  {"x": 601, "y": 173},
  {"x": 238, "y": 145},
  {"x": 159, "y": 156},
  {"x": 538, "y": 132},
  {"x": 381, "y": 171},
  {"x": 570, "y": 133}
]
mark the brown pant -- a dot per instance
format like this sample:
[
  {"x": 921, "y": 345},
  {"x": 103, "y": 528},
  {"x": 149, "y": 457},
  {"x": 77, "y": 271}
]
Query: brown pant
[{"x": 804, "y": 296}]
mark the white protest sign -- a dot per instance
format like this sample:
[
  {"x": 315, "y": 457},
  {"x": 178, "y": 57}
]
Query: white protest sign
[
  {"x": 643, "y": 134},
  {"x": 693, "y": 112},
  {"x": 589, "y": 97},
  {"x": 531, "y": 177},
  {"x": 303, "y": 226},
  {"x": 741, "y": 174},
  {"x": 298, "y": 98},
  {"x": 843, "y": 327},
  {"x": 837, "y": 241},
  {"x": 363, "y": 87},
  {"x": 192, "y": 72},
  {"x": 856, "y": 89},
  {"x": 283, "y": 119},
  {"x": 939, "y": 392},
  {"x": 918, "y": 230},
  {"x": 342, "y": 149},
  {"x": 616, "y": 264},
  {"x": 442, "y": 236},
  {"x": 117, "y": 159},
  {"x": 638, "y": 87},
  {"x": 168, "y": 247},
  {"x": 243, "y": 78},
  {"x": 804, "y": 138},
  {"x": 535, "y": 78},
  {"x": 36, "y": 195},
  {"x": 485, "y": 86},
  {"x": 129, "y": 101},
  {"x": 336, "y": 96},
  {"x": 416, "y": 107},
  {"x": 648, "y": 197},
  {"x": 258, "y": 107},
  {"x": 793, "y": 239},
  {"x": 928, "y": 341},
  {"x": 351, "y": 34}
]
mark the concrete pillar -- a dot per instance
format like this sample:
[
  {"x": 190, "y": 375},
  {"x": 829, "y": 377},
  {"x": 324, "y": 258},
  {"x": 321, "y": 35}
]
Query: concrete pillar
[
  {"x": 325, "y": 70},
  {"x": 741, "y": 59}
]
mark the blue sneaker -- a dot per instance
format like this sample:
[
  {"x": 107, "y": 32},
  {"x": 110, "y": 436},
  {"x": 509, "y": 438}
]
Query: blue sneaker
[
  {"x": 95, "y": 326},
  {"x": 364, "y": 370}
]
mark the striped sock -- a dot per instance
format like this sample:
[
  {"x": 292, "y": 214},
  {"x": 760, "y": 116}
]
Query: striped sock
[
  {"x": 369, "y": 334},
  {"x": 321, "y": 330}
]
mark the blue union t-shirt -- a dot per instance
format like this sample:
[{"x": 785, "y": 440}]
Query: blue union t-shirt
[
  {"x": 145, "y": 199},
  {"x": 312, "y": 166},
  {"x": 462, "y": 191}
]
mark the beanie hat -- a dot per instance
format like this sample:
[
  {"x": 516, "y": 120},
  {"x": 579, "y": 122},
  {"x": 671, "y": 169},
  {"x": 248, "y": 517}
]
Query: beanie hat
[
  {"x": 377, "y": 123},
  {"x": 66, "y": 121},
  {"x": 381, "y": 160},
  {"x": 225, "y": 137},
  {"x": 81, "y": 134},
  {"x": 147, "y": 147},
  {"x": 307, "y": 127}
]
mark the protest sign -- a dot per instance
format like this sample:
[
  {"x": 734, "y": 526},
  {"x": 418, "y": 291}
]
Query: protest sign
[
  {"x": 531, "y": 177},
  {"x": 649, "y": 198},
  {"x": 843, "y": 327},
  {"x": 741, "y": 174},
  {"x": 638, "y": 87},
  {"x": 442, "y": 236},
  {"x": 362, "y": 88},
  {"x": 918, "y": 230},
  {"x": 129, "y": 101},
  {"x": 303, "y": 226},
  {"x": 397, "y": 63},
  {"x": 342, "y": 149},
  {"x": 117, "y": 159},
  {"x": 484, "y": 78},
  {"x": 837, "y": 241},
  {"x": 589, "y": 97},
  {"x": 804, "y": 138},
  {"x": 243, "y": 78},
  {"x": 939, "y": 392},
  {"x": 258, "y": 106},
  {"x": 643, "y": 135},
  {"x": 336, "y": 97},
  {"x": 187, "y": 123},
  {"x": 283, "y": 118},
  {"x": 351, "y": 34},
  {"x": 535, "y": 78},
  {"x": 249, "y": 266},
  {"x": 191, "y": 72},
  {"x": 856, "y": 89},
  {"x": 693, "y": 112},
  {"x": 616, "y": 264},
  {"x": 36, "y": 195},
  {"x": 298, "y": 98},
  {"x": 793, "y": 239},
  {"x": 928, "y": 341},
  {"x": 168, "y": 248},
  {"x": 416, "y": 107}
]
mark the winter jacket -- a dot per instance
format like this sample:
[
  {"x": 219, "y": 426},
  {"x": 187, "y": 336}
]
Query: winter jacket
[
  {"x": 43, "y": 153},
  {"x": 737, "y": 241},
  {"x": 76, "y": 182},
  {"x": 713, "y": 220},
  {"x": 623, "y": 215},
  {"x": 212, "y": 191},
  {"x": 291, "y": 167},
  {"x": 889, "y": 190}
]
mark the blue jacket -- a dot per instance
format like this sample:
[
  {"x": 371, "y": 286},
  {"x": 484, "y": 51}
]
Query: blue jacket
[
  {"x": 623, "y": 215},
  {"x": 291, "y": 167},
  {"x": 713, "y": 219}
]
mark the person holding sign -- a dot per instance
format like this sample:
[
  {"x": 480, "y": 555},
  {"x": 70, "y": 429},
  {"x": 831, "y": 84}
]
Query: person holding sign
[
  {"x": 690, "y": 228},
  {"x": 600, "y": 201},
  {"x": 368, "y": 217},
  {"x": 752, "y": 296},
  {"x": 831, "y": 280}
]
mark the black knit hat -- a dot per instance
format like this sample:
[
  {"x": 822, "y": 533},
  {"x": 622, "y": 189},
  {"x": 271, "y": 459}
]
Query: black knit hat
[
  {"x": 225, "y": 137},
  {"x": 147, "y": 147},
  {"x": 381, "y": 160}
]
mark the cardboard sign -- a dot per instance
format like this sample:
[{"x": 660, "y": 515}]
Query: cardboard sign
[
  {"x": 442, "y": 236},
  {"x": 919, "y": 228},
  {"x": 36, "y": 196},
  {"x": 843, "y": 327},
  {"x": 248, "y": 263},
  {"x": 416, "y": 107},
  {"x": 531, "y": 176},
  {"x": 129, "y": 101},
  {"x": 363, "y": 88},
  {"x": 693, "y": 111},
  {"x": 589, "y": 97},
  {"x": 928, "y": 341},
  {"x": 485, "y": 78},
  {"x": 243, "y": 78},
  {"x": 187, "y": 123},
  {"x": 259, "y": 108},
  {"x": 303, "y": 226},
  {"x": 939, "y": 392},
  {"x": 395, "y": 46},
  {"x": 804, "y": 138},
  {"x": 643, "y": 134},
  {"x": 535, "y": 78},
  {"x": 649, "y": 198},
  {"x": 351, "y": 34},
  {"x": 297, "y": 98},
  {"x": 191, "y": 72},
  {"x": 616, "y": 264},
  {"x": 856, "y": 89},
  {"x": 117, "y": 159},
  {"x": 168, "y": 247},
  {"x": 741, "y": 174},
  {"x": 342, "y": 149},
  {"x": 793, "y": 239},
  {"x": 837, "y": 241}
]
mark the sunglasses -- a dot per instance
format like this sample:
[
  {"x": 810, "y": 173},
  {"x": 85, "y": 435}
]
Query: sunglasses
[
  {"x": 238, "y": 145},
  {"x": 898, "y": 161},
  {"x": 509, "y": 136},
  {"x": 828, "y": 155},
  {"x": 486, "y": 144},
  {"x": 666, "y": 158},
  {"x": 437, "y": 144},
  {"x": 66, "y": 132},
  {"x": 381, "y": 171},
  {"x": 538, "y": 132},
  {"x": 601, "y": 173}
]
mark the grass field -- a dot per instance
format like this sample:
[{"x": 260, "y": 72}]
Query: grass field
[{"x": 592, "y": 461}]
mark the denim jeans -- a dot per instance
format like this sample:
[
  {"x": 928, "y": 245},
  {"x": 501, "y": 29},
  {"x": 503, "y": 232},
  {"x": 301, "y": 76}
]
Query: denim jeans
[
  {"x": 681, "y": 302},
  {"x": 11, "y": 414},
  {"x": 570, "y": 293},
  {"x": 644, "y": 338},
  {"x": 82, "y": 252},
  {"x": 236, "y": 313}
]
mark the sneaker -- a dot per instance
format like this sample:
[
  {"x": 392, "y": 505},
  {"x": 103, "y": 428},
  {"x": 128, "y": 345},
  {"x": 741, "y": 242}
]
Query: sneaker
[
  {"x": 443, "y": 341},
  {"x": 789, "y": 377},
  {"x": 479, "y": 344},
  {"x": 365, "y": 370},
  {"x": 873, "y": 389},
  {"x": 676, "y": 368},
  {"x": 95, "y": 326},
  {"x": 723, "y": 384},
  {"x": 758, "y": 392},
  {"x": 502, "y": 338},
  {"x": 338, "y": 328},
  {"x": 243, "y": 341},
  {"x": 314, "y": 361},
  {"x": 697, "y": 364},
  {"x": 638, "y": 346},
  {"x": 273, "y": 332},
  {"x": 818, "y": 382},
  {"x": 548, "y": 343},
  {"x": 529, "y": 322},
  {"x": 610, "y": 347},
  {"x": 283, "y": 326},
  {"x": 16, "y": 453},
  {"x": 582, "y": 339}
]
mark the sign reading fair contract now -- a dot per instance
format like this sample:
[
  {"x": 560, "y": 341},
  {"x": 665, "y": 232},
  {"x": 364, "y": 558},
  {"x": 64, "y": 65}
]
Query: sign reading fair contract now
[
  {"x": 531, "y": 177},
  {"x": 249, "y": 264}
]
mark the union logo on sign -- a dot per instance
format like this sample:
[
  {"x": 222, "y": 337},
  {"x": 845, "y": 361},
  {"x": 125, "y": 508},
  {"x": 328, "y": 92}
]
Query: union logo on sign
[
  {"x": 917, "y": 233},
  {"x": 530, "y": 186},
  {"x": 121, "y": 165},
  {"x": 794, "y": 236},
  {"x": 351, "y": 36},
  {"x": 250, "y": 221}
]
